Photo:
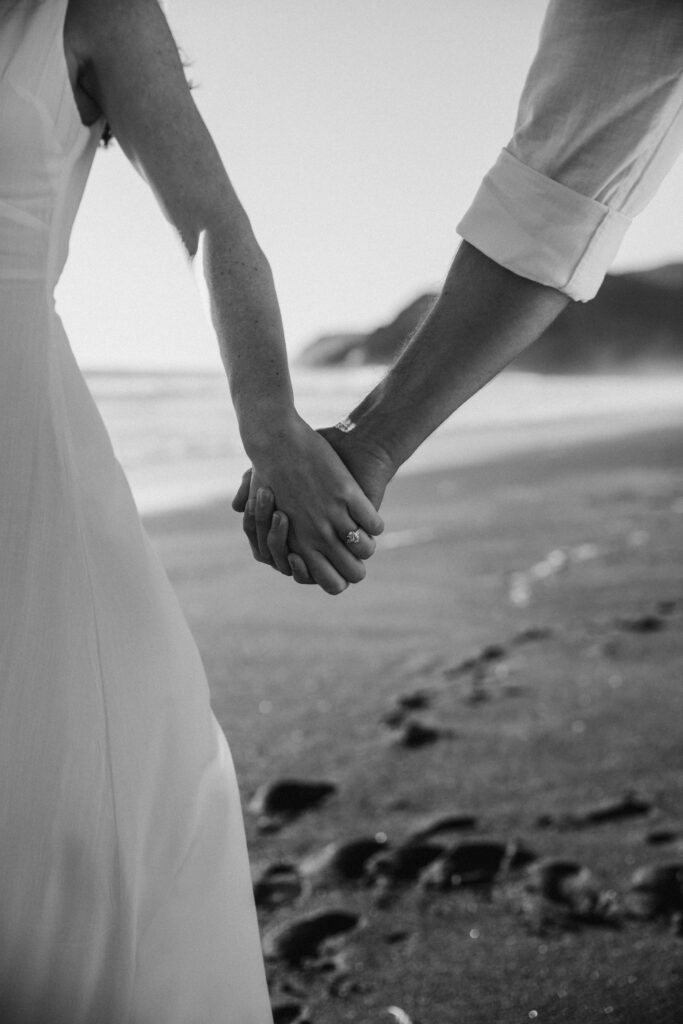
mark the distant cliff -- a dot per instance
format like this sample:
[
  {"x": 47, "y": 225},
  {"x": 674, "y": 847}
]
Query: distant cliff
[{"x": 636, "y": 320}]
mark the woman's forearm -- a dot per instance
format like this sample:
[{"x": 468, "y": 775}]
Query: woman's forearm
[
  {"x": 484, "y": 317},
  {"x": 246, "y": 317}
]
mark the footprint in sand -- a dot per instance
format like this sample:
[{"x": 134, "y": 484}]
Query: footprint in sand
[
  {"x": 561, "y": 892},
  {"x": 533, "y": 634},
  {"x": 629, "y": 805},
  {"x": 413, "y": 732},
  {"x": 277, "y": 884},
  {"x": 341, "y": 863},
  {"x": 486, "y": 656},
  {"x": 456, "y": 821},
  {"x": 655, "y": 890},
  {"x": 404, "y": 703},
  {"x": 275, "y": 803},
  {"x": 661, "y": 836},
  {"x": 649, "y": 623},
  {"x": 400, "y": 867},
  {"x": 290, "y": 1013},
  {"x": 297, "y": 941},
  {"x": 417, "y": 700},
  {"x": 566, "y": 882},
  {"x": 474, "y": 862}
]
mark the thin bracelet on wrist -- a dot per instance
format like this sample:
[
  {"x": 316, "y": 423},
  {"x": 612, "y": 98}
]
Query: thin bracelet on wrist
[{"x": 345, "y": 426}]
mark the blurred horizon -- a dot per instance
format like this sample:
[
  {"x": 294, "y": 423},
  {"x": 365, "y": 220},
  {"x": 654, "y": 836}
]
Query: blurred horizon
[{"x": 356, "y": 135}]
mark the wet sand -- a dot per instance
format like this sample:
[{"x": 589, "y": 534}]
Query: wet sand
[{"x": 535, "y": 604}]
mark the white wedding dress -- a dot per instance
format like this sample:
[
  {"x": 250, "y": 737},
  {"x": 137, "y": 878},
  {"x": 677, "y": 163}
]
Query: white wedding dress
[{"x": 125, "y": 893}]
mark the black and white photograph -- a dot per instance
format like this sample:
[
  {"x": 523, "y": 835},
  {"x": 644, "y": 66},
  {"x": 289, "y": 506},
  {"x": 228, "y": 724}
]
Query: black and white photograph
[{"x": 341, "y": 512}]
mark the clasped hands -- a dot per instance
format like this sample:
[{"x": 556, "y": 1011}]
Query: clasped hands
[{"x": 306, "y": 490}]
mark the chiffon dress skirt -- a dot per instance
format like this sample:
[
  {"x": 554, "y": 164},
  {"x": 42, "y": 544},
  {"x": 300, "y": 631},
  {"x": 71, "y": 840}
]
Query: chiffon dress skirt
[{"x": 125, "y": 892}]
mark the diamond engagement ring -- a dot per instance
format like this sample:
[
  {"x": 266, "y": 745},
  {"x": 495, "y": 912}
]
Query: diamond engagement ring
[{"x": 353, "y": 537}]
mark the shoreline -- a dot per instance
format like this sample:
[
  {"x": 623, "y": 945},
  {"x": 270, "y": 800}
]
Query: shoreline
[
  {"x": 564, "y": 445},
  {"x": 578, "y": 705}
]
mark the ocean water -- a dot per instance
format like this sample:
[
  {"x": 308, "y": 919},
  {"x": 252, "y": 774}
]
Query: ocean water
[{"x": 176, "y": 433}]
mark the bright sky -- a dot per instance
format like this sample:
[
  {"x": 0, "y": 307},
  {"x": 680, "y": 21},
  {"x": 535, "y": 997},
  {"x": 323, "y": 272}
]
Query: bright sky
[{"x": 356, "y": 133}]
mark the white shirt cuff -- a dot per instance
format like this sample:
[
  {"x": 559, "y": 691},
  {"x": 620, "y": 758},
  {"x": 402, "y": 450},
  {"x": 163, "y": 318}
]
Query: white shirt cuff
[{"x": 542, "y": 230}]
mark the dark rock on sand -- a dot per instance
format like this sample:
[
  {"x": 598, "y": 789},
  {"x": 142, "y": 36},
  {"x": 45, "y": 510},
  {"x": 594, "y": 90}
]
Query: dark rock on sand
[
  {"x": 277, "y": 884},
  {"x": 343, "y": 862},
  {"x": 443, "y": 824},
  {"x": 642, "y": 624},
  {"x": 473, "y": 862},
  {"x": 299, "y": 940},
  {"x": 629, "y": 805},
  {"x": 404, "y": 864},
  {"x": 285, "y": 798},
  {"x": 655, "y": 890}
]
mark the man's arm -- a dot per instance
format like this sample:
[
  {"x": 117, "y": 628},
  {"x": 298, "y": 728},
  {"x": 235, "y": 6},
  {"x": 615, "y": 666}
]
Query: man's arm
[
  {"x": 600, "y": 123},
  {"x": 484, "y": 317}
]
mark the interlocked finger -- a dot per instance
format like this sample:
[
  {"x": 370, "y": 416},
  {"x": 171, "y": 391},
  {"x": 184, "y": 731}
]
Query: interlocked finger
[
  {"x": 277, "y": 543},
  {"x": 299, "y": 570}
]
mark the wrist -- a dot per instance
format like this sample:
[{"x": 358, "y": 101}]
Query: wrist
[
  {"x": 369, "y": 430},
  {"x": 266, "y": 427}
]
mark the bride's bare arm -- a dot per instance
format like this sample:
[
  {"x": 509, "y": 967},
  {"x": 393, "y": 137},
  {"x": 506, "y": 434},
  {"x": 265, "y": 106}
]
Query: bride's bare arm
[{"x": 129, "y": 66}]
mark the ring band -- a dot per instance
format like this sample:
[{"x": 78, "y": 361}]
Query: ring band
[{"x": 353, "y": 537}]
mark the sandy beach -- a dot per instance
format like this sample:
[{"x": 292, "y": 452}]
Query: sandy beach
[{"x": 515, "y": 657}]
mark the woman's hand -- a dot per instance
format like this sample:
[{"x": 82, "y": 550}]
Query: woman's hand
[
  {"x": 321, "y": 501},
  {"x": 267, "y": 529}
]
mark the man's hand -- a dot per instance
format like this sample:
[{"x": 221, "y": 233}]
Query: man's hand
[{"x": 267, "y": 528}]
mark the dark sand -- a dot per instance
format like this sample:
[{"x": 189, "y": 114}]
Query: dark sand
[{"x": 300, "y": 682}]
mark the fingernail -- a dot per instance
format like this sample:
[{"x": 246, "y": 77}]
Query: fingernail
[
  {"x": 262, "y": 497},
  {"x": 251, "y": 506},
  {"x": 276, "y": 518}
]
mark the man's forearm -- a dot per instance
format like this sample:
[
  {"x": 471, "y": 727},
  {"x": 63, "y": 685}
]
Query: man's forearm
[{"x": 484, "y": 317}]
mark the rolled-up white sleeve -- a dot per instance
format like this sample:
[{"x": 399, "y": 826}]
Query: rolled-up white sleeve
[{"x": 600, "y": 123}]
